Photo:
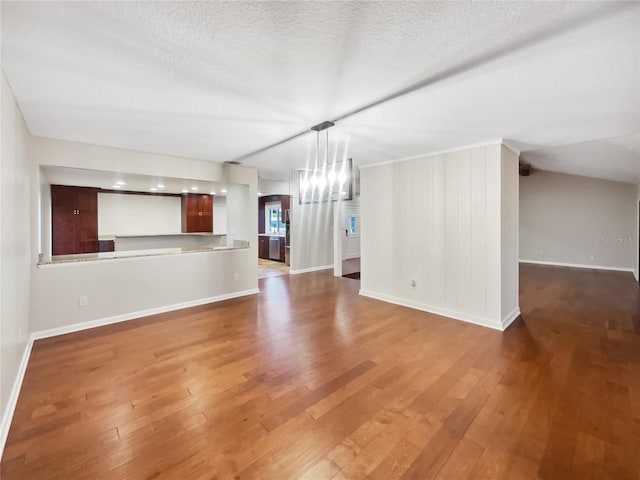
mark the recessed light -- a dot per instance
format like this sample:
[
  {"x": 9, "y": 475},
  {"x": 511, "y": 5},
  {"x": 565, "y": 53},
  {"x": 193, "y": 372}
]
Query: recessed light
[
  {"x": 194, "y": 188},
  {"x": 115, "y": 186},
  {"x": 120, "y": 182},
  {"x": 160, "y": 185},
  {"x": 212, "y": 193},
  {"x": 223, "y": 190},
  {"x": 153, "y": 189},
  {"x": 185, "y": 191},
  {"x": 259, "y": 193}
]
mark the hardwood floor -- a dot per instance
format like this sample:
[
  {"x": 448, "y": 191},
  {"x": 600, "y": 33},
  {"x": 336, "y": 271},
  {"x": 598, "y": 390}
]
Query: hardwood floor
[
  {"x": 310, "y": 381},
  {"x": 271, "y": 268}
]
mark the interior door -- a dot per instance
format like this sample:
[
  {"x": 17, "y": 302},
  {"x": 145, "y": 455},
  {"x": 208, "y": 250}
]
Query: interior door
[{"x": 351, "y": 226}]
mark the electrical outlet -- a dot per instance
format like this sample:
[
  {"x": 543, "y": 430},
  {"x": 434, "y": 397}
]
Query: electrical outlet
[
  {"x": 236, "y": 276},
  {"x": 83, "y": 301}
]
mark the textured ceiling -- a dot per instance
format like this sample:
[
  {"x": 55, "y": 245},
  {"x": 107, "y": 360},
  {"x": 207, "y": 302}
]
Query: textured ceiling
[{"x": 220, "y": 80}]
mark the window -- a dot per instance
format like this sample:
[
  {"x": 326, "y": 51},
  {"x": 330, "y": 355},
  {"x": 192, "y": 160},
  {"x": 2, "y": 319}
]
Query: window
[
  {"x": 353, "y": 225},
  {"x": 273, "y": 218}
]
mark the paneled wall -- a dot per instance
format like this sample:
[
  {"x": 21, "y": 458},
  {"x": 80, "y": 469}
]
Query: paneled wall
[{"x": 439, "y": 233}]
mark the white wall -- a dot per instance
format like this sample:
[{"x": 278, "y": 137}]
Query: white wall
[
  {"x": 441, "y": 221},
  {"x": 219, "y": 214},
  {"x": 637, "y": 234},
  {"x": 570, "y": 219},
  {"x": 132, "y": 214},
  {"x": 15, "y": 250},
  {"x": 509, "y": 223},
  {"x": 128, "y": 288},
  {"x": 273, "y": 187},
  {"x": 311, "y": 234},
  {"x": 48, "y": 151}
]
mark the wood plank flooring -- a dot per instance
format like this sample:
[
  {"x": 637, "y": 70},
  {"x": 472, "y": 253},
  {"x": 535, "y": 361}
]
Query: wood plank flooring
[
  {"x": 271, "y": 268},
  {"x": 310, "y": 381}
]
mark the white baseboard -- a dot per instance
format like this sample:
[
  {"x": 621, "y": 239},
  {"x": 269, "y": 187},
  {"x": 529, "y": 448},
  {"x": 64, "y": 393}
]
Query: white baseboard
[
  {"x": 7, "y": 415},
  {"x": 311, "y": 269},
  {"x": 76, "y": 327},
  {"x": 578, "y": 265},
  {"x": 510, "y": 317},
  {"x": 484, "y": 322}
]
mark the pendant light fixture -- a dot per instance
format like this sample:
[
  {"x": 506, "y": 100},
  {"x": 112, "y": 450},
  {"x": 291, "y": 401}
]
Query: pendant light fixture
[{"x": 324, "y": 181}]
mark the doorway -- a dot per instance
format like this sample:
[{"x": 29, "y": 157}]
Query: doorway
[{"x": 350, "y": 218}]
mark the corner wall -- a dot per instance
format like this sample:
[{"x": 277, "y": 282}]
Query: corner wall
[
  {"x": 579, "y": 221},
  {"x": 15, "y": 253},
  {"x": 447, "y": 222}
]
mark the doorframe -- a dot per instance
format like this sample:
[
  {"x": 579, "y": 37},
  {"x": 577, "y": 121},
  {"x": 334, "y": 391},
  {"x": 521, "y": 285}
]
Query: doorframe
[
  {"x": 337, "y": 238},
  {"x": 338, "y": 228}
]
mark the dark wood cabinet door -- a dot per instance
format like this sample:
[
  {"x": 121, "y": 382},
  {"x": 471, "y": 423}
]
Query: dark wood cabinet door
[
  {"x": 74, "y": 220},
  {"x": 206, "y": 213},
  {"x": 190, "y": 220},
  {"x": 87, "y": 206},
  {"x": 64, "y": 220},
  {"x": 263, "y": 247},
  {"x": 197, "y": 213},
  {"x": 282, "y": 245}
]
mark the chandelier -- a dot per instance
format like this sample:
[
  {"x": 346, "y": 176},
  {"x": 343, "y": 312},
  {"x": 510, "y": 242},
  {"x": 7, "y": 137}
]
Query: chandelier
[{"x": 325, "y": 181}]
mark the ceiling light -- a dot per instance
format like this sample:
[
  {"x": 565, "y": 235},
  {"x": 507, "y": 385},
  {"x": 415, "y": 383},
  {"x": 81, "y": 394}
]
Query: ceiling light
[
  {"x": 115, "y": 186},
  {"x": 224, "y": 190},
  {"x": 212, "y": 192},
  {"x": 185, "y": 191},
  {"x": 259, "y": 193},
  {"x": 120, "y": 182},
  {"x": 160, "y": 185},
  {"x": 194, "y": 188},
  {"x": 153, "y": 189}
]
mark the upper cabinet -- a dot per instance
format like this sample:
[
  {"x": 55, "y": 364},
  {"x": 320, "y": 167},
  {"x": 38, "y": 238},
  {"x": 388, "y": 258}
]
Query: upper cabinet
[
  {"x": 197, "y": 213},
  {"x": 74, "y": 220}
]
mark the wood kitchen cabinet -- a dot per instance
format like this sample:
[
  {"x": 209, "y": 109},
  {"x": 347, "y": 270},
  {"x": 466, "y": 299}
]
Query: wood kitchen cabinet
[
  {"x": 197, "y": 213},
  {"x": 74, "y": 220},
  {"x": 263, "y": 247}
]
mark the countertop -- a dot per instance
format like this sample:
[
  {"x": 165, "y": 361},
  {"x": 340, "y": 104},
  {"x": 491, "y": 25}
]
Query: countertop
[
  {"x": 88, "y": 257},
  {"x": 197, "y": 234}
]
